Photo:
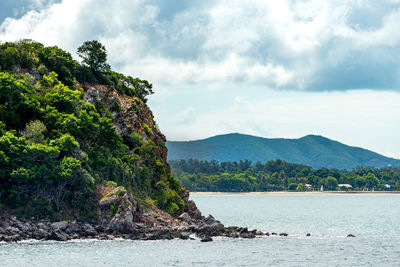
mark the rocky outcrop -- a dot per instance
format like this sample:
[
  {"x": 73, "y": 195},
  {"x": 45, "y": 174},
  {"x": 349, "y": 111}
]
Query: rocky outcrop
[
  {"x": 130, "y": 115},
  {"x": 119, "y": 211}
]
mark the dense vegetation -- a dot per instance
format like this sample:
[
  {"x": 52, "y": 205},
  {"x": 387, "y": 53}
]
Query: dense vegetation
[
  {"x": 311, "y": 150},
  {"x": 56, "y": 148},
  {"x": 278, "y": 175}
]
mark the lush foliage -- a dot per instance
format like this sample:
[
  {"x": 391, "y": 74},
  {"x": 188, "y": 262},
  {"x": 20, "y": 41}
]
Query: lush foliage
[
  {"x": 278, "y": 175},
  {"x": 33, "y": 57},
  {"x": 55, "y": 147}
]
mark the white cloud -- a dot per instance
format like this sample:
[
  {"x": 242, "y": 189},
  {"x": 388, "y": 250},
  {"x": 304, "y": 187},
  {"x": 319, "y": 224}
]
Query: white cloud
[{"x": 278, "y": 44}]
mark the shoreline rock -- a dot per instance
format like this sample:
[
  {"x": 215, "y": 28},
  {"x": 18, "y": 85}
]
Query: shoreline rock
[{"x": 14, "y": 230}]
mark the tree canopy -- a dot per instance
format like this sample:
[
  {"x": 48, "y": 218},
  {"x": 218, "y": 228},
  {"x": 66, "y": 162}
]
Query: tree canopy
[
  {"x": 55, "y": 148},
  {"x": 278, "y": 175},
  {"x": 94, "y": 56}
]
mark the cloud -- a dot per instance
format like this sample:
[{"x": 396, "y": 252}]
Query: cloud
[{"x": 292, "y": 45}]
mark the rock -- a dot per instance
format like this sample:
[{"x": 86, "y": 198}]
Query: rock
[
  {"x": 184, "y": 194},
  {"x": 185, "y": 217},
  {"x": 209, "y": 220},
  {"x": 161, "y": 234},
  {"x": 44, "y": 227},
  {"x": 12, "y": 230},
  {"x": 206, "y": 239},
  {"x": 73, "y": 228},
  {"x": 58, "y": 235},
  {"x": 243, "y": 230},
  {"x": 184, "y": 237},
  {"x": 350, "y": 235},
  {"x": 12, "y": 238},
  {"x": 119, "y": 210},
  {"x": 89, "y": 230},
  {"x": 247, "y": 235},
  {"x": 59, "y": 225},
  {"x": 193, "y": 211},
  {"x": 26, "y": 227}
]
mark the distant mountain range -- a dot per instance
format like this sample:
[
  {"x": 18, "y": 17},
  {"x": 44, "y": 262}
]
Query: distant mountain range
[{"x": 312, "y": 150}]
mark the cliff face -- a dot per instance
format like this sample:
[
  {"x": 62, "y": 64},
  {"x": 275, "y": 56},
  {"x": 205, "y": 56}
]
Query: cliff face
[
  {"x": 118, "y": 209},
  {"x": 131, "y": 115}
]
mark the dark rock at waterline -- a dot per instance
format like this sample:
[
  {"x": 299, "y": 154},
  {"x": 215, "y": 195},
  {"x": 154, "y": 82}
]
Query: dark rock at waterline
[
  {"x": 13, "y": 230},
  {"x": 161, "y": 234},
  {"x": 206, "y": 239},
  {"x": 11, "y": 238},
  {"x": 350, "y": 235},
  {"x": 58, "y": 235}
]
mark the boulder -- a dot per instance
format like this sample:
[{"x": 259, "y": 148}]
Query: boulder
[
  {"x": 44, "y": 227},
  {"x": 59, "y": 225},
  {"x": 206, "y": 239},
  {"x": 73, "y": 227},
  {"x": 209, "y": 220},
  {"x": 89, "y": 230},
  {"x": 11, "y": 230},
  {"x": 185, "y": 217},
  {"x": 26, "y": 227},
  {"x": 12, "y": 238},
  {"x": 119, "y": 210},
  {"x": 58, "y": 235},
  {"x": 193, "y": 211}
]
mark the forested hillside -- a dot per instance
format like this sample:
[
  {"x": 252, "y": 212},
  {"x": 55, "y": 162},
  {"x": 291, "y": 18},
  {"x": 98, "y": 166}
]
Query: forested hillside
[
  {"x": 278, "y": 175},
  {"x": 70, "y": 132},
  {"x": 312, "y": 150}
]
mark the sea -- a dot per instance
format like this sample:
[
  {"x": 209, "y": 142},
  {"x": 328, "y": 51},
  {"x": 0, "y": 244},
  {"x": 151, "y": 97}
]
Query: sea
[{"x": 374, "y": 220}]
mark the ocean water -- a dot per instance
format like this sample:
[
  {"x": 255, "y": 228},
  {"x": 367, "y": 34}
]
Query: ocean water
[{"x": 373, "y": 218}]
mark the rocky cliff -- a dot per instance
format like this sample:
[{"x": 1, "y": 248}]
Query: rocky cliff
[{"x": 118, "y": 209}]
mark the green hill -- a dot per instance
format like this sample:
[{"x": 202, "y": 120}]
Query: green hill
[
  {"x": 70, "y": 132},
  {"x": 312, "y": 150}
]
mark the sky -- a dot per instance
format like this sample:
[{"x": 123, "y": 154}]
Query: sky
[{"x": 276, "y": 69}]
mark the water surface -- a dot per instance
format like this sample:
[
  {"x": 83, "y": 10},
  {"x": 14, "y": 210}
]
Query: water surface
[{"x": 374, "y": 219}]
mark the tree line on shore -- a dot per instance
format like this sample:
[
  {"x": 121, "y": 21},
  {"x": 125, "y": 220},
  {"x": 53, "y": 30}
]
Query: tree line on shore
[{"x": 279, "y": 175}]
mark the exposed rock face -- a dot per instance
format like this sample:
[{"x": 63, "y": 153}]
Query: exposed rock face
[
  {"x": 130, "y": 113},
  {"x": 118, "y": 211}
]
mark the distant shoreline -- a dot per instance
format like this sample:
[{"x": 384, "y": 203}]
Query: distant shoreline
[{"x": 290, "y": 192}]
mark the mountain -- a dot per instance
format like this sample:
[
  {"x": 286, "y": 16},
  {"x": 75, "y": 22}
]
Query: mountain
[{"x": 312, "y": 150}]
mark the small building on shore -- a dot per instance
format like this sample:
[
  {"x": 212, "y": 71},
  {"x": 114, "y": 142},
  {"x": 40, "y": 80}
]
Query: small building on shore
[{"x": 345, "y": 186}]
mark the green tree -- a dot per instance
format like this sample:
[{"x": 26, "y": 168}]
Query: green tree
[
  {"x": 292, "y": 187},
  {"x": 371, "y": 181},
  {"x": 94, "y": 56},
  {"x": 331, "y": 183}
]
